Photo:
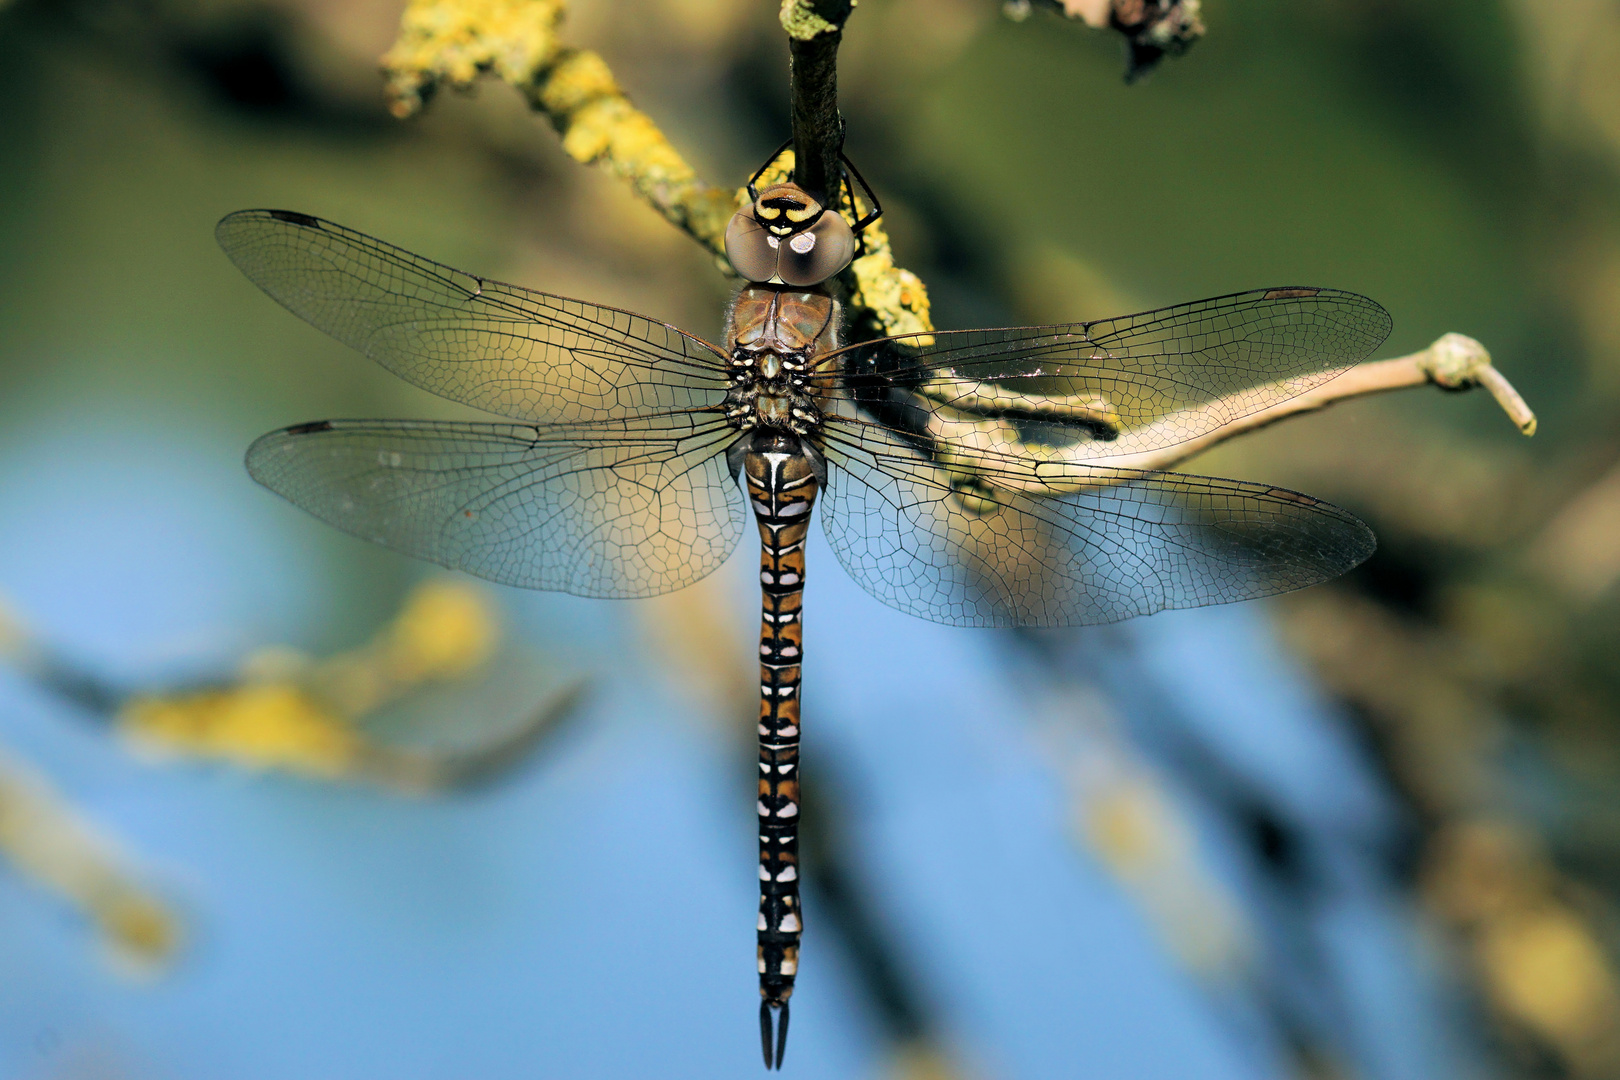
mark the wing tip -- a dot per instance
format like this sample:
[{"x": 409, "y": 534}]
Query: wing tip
[
  {"x": 226, "y": 226},
  {"x": 291, "y": 217},
  {"x": 1380, "y": 323},
  {"x": 254, "y": 459},
  {"x": 310, "y": 428}
]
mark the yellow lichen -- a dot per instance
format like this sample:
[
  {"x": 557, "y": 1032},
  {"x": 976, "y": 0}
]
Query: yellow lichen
[
  {"x": 578, "y": 78},
  {"x": 257, "y": 726},
  {"x": 51, "y": 845},
  {"x": 896, "y": 298},
  {"x": 801, "y": 22},
  {"x": 295, "y": 713},
  {"x": 446, "y": 630},
  {"x": 456, "y": 41},
  {"x": 600, "y": 126}
]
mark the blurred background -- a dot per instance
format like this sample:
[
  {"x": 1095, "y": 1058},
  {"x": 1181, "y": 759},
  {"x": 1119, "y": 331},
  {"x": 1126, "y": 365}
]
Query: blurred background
[{"x": 276, "y": 803}]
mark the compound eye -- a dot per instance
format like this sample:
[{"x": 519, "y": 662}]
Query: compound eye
[
  {"x": 749, "y": 247},
  {"x": 816, "y": 254}
]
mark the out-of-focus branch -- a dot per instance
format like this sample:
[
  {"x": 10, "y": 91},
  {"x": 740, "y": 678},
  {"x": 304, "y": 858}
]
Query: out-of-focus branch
[
  {"x": 1539, "y": 956},
  {"x": 1576, "y": 550},
  {"x": 302, "y": 715},
  {"x": 294, "y": 713},
  {"x": 1153, "y": 29},
  {"x": 46, "y": 840},
  {"x": 20, "y": 651}
]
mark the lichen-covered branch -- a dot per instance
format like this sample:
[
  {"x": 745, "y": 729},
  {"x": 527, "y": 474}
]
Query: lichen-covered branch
[
  {"x": 454, "y": 42},
  {"x": 293, "y": 713},
  {"x": 49, "y": 843}
]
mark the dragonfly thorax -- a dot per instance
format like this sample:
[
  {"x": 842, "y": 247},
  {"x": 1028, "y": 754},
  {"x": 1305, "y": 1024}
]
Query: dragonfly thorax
[
  {"x": 770, "y": 390},
  {"x": 776, "y": 335}
]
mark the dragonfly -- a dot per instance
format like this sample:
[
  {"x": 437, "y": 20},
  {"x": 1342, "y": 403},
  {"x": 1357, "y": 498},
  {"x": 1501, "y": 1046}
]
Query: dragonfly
[{"x": 971, "y": 477}]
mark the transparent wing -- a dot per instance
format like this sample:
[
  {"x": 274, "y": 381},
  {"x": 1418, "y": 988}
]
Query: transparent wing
[
  {"x": 522, "y": 354},
  {"x": 1011, "y": 542},
  {"x": 1125, "y": 385},
  {"x": 596, "y": 510}
]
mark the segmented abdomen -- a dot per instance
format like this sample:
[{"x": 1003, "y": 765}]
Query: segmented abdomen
[{"x": 782, "y": 488}]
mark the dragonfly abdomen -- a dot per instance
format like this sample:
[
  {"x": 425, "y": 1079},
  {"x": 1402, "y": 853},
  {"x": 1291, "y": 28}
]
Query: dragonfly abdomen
[{"x": 782, "y": 483}]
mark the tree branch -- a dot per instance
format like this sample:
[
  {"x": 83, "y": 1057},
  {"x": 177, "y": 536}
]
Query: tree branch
[
  {"x": 49, "y": 842},
  {"x": 814, "y": 29},
  {"x": 1153, "y": 29},
  {"x": 1454, "y": 362},
  {"x": 296, "y": 714},
  {"x": 454, "y": 41}
]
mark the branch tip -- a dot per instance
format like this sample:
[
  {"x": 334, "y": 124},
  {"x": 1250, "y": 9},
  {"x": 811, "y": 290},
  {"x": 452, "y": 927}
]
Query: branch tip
[
  {"x": 1153, "y": 29},
  {"x": 807, "y": 19},
  {"x": 1458, "y": 362}
]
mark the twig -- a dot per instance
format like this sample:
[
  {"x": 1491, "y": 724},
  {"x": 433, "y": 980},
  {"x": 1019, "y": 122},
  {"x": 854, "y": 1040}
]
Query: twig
[
  {"x": 1153, "y": 29},
  {"x": 47, "y": 841},
  {"x": 1454, "y": 362},
  {"x": 814, "y": 29}
]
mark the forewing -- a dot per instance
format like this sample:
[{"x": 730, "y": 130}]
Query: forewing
[
  {"x": 1017, "y": 543},
  {"x": 610, "y": 510},
  {"x": 522, "y": 354},
  {"x": 1125, "y": 385}
]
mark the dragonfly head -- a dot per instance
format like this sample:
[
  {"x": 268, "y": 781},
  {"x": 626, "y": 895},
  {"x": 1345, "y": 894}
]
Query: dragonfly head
[{"x": 788, "y": 237}]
